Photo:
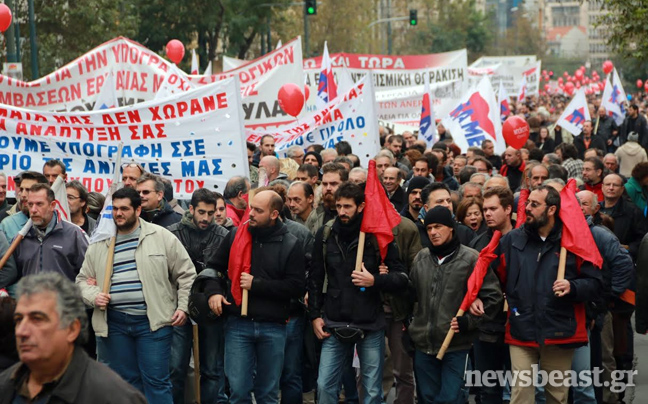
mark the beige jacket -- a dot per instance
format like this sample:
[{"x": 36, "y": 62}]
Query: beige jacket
[{"x": 165, "y": 291}]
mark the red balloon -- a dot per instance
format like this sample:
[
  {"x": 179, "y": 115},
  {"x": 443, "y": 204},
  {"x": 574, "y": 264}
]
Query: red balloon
[
  {"x": 646, "y": 87},
  {"x": 560, "y": 80},
  {"x": 516, "y": 131},
  {"x": 306, "y": 93},
  {"x": 578, "y": 85},
  {"x": 175, "y": 51},
  {"x": 5, "y": 17},
  {"x": 607, "y": 67},
  {"x": 602, "y": 86},
  {"x": 569, "y": 88},
  {"x": 547, "y": 87},
  {"x": 578, "y": 74},
  {"x": 291, "y": 99},
  {"x": 566, "y": 74},
  {"x": 639, "y": 83},
  {"x": 551, "y": 73}
]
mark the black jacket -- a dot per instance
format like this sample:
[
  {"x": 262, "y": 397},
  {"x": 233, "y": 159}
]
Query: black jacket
[
  {"x": 200, "y": 244},
  {"x": 629, "y": 224},
  {"x": 399, "y": 199},
  {"x": 449, "y": 179},
  {"x": 491, "y": 331},
  {"x": 164, "y": 217},
  {"x": 345, "y": 304},
  {"x": 641, "y": 315},
  {"x": 278, "y": 270},
  {"x": 528, "y": 269},
  {"x": 596, "y": 142},
  {"x": 638, "y": 125},
  {"x": 548, "y": 146},
  {"x": 85, "y": 381}
]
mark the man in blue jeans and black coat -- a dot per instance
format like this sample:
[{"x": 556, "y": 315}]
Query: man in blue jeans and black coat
[{"x": 351, "y": 313}]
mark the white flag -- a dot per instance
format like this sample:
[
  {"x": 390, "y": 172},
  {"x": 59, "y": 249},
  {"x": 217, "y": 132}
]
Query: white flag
[
  {"x": 194, "y": 62},
  {"x": 427, "y": 125},
  {"x": 503, "y": 99},
  {"x": 60, "y": 197},
  {"x": 523, "y": 90},
  {"x": 575, "y": 115},
  {"x": 107, "y": 95},
  {"x": 106, "y": 225},
  {"x": 208, "y": 69},
  {"x": 614, "y": 98}
]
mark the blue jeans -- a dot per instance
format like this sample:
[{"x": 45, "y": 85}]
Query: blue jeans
[
  {"x": 440, "y": 381},
  {"x": 138, "y": 355},
  {"x": 291, "y": 377},
  {"x": 580, "y": 362},
  {"x": 337, "y": 355},
  {"x": 254, "y": 355},
  {"x": 212, "y": 351}
]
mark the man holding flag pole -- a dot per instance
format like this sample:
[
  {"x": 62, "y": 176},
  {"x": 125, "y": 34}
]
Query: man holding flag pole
[{"x": 355, "y": 252}]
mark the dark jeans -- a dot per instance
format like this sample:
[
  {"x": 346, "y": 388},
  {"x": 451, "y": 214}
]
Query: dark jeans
[
  {"x": 491, "y": 356},
  {"x": 291, "y": 376},
  {"x": 137, "y": 354},
  {"x": 254, "y": 355},
  {"x": 212, "y": 351},
  {"x": 440, "y": 381}
]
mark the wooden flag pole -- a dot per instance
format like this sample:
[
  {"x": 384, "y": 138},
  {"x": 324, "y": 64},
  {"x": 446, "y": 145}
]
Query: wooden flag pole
[
  {"x": 598, "y": 118},
  {"x": 562, "y": 262},
  {"x": 196, "y": 354},
  {"x": 12, "y": 248},
  {"x": 109, "y": 267},
  {"x": 360, "y": 254},
  {"x": 448, "y": 338},
  {"x": 244, "y": 294}
]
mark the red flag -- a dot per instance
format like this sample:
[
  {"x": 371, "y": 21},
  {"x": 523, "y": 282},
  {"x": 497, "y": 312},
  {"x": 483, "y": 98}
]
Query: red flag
[
  {"x": 379, "y": 215},
  {"x": 521, "y": 211},
  {"x": 476, "y": 279},
  {"x": 576, "y": 234},
  {"x": 240, "y": 259}
]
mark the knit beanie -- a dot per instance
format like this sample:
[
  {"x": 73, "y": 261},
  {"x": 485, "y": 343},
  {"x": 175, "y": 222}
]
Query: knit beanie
[
  {"x": 439, "y": 214},
  {"x": 417, "y": 183}
]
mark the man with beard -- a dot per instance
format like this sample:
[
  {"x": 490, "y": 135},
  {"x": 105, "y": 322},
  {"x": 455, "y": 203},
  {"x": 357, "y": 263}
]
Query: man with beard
[
  {"x": 220, "y": 216},
  {"x": 415, "y": 203},
  {"x": 333, "y": 175},
  {"x": 201, "y": 236},
  {"x": 439, "y": 276},
  {"x": 300, "y": 201},
  {"x": 149, "y": 291},
  {"x": 255, "y": 344},
  {"x": 546, "y": 316},
  {"x": 634, "y": 122},
  {"x": 513, "y": 167},
  {"x": 351, "y": 312},
  {"x": 593, "y": 176},
  {"x": 491, "y": 353},
  {"x": 52, "y": 244},
  {"x": 155, "y": 209}
]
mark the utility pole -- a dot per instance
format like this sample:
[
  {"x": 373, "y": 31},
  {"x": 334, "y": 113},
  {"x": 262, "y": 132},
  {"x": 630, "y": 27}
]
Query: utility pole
[
  {"x": 306, "y": 48},
  {"x": 389, "y": 28},
  {"x": 10, "y": 35},
  {"x": 32, "y": 40}
]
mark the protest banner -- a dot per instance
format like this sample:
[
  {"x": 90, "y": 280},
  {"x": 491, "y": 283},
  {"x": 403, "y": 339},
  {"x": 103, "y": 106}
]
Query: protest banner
[
  {"x": 139, "y": 74},
  {"x": 351, "y": 117},
  {"x": 508, "y": 71},
  {"x": 194, "y": 139}
]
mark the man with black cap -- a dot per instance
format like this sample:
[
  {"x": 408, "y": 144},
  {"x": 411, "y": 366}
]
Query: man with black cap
[
  {"x": 414, "y": 201},
  {"x": 439, "y": 276}
]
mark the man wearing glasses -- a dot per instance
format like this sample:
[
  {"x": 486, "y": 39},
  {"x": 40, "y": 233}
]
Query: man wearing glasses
[
  {"x": 155, "y": 209},
  {"x": 77, "y": 196}
]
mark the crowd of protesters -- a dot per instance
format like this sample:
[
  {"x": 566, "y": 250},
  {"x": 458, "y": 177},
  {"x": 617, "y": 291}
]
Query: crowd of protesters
[{"x": 300, "y": 317}]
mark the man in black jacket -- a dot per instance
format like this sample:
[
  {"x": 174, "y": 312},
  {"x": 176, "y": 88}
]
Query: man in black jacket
[
  {"x": 352, "y": 311},
  {"x": 634, "y": 122},
  {"x": 254, "y": 344},
  {"x": 491, "y": 353},
  {"x": 155, "y": 208},
  {"x": 201, "y": 237},
  {"x": 629, "y": 222},
  {"x": 587, "y": 140},
  {"x": 51, "y": 327}
]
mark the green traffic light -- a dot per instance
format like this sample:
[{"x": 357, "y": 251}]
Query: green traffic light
[
  {"x": 311, "y": 10},
  {"x": 413, "y": 22}
]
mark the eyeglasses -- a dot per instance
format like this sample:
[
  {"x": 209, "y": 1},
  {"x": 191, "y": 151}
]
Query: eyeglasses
[
  {"x": 73, "y": 198},
  {"x": 145, "y": 192},
  {"x": 533, "y": 204}
]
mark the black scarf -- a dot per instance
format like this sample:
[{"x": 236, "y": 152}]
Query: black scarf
[
  {"x": 348, "y": 232},
  {"x": 264, "y": 232},
  {"x": 446, "y": 249}
]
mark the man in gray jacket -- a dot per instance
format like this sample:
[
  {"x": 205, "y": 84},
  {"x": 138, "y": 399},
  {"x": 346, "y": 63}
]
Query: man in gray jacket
[
  {"x": 439, "y": 276},
  {"x": 51, "y": 244}
]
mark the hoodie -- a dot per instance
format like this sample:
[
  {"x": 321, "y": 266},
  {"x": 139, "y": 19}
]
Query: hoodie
[{"x": 629, "y": 155}]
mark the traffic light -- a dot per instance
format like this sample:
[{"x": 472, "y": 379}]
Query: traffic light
[
  {"x": 413, "y": 17},
  {"x": 310, "y": 7}
]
